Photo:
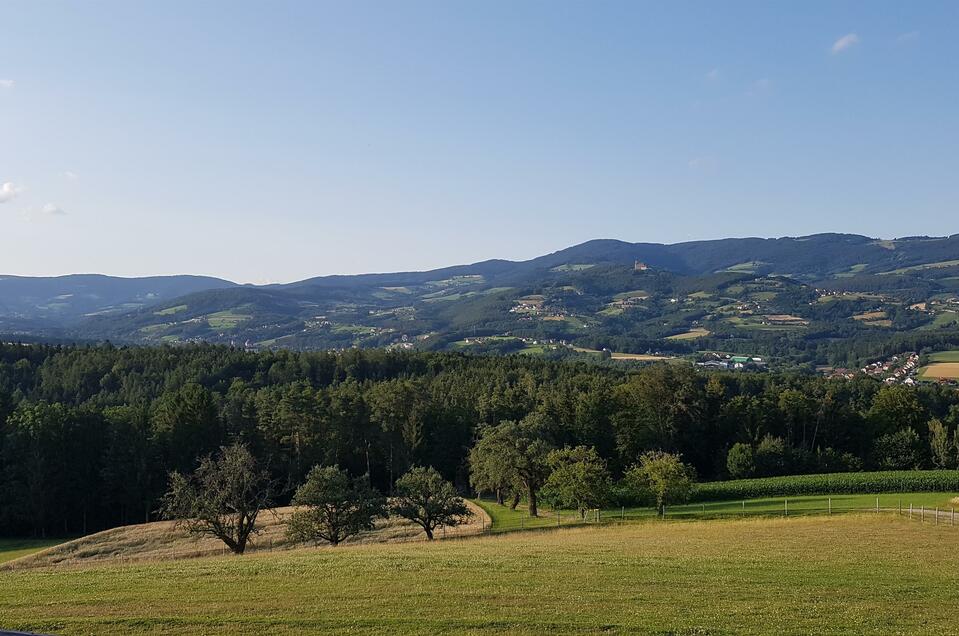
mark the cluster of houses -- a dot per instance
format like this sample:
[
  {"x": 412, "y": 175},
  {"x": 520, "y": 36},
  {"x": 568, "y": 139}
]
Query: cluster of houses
[
  {"x": 728, "y": 362},
  {"x": 900, "y": 369}
]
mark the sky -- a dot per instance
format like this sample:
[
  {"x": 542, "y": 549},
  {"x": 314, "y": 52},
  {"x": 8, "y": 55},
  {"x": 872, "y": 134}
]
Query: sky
[{"x": 275, "y": 141}]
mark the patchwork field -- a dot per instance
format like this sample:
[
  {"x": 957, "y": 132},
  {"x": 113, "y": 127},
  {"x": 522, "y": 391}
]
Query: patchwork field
[
  {"x": 942, "y": 366},
  {"x": 941, "y": 371},
  {"x": 824, "y": 575},
  {"x": 690, "y": 335}
]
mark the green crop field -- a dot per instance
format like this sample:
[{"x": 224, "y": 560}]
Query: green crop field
[
  {"x": 825, "y": 575},
  {"x": 227, "y": 319},
  {"x": 944, "y": 356}
]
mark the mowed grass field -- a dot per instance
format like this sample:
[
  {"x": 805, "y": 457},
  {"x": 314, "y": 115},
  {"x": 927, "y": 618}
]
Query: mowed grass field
[
  {"x": 825, "y": 575},
  {"x": 11, "y": 549},
  {"x": 506, "y": 520}
]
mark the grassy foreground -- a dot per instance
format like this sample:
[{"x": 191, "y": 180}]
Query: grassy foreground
[{"x": 840, "y": 574}]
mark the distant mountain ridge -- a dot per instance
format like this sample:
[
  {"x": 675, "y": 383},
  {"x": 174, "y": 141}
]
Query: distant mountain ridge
[
  {"x": 633, "y": 296},
  {"x": 66, "y": 299}
]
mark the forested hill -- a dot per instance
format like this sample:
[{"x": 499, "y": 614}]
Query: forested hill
[
  {"x": 89, "y": 435},
  {"x": 827, "y": 299}
]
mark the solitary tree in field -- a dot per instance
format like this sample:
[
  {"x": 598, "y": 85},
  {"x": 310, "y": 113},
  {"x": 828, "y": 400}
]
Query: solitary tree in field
[
  {"x": 222, "y": 498},
  {"x": 428, "y": 500},
  {"x": 579, "y": 479},
  {"x": 663, "y": 477},
  {"x": 332, "y": 507}
]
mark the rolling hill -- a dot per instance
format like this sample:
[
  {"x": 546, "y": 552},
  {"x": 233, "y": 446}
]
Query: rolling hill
[{"x": 798, "y": 299}]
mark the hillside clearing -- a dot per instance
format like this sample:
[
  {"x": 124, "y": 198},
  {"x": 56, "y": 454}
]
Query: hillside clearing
[{"x": 843, "y": 574}]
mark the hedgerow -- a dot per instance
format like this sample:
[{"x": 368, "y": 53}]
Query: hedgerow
[{"x": 831, "y": 483}]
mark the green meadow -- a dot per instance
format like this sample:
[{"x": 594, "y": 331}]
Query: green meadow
[{"x": 845, "y": 574}]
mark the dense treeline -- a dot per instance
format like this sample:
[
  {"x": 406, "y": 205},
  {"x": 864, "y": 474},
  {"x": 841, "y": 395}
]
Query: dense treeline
[{"x": 88, "y": 436}]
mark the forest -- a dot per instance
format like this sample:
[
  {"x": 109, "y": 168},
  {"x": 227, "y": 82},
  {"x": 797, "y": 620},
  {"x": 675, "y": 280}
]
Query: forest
[{"x": 90, "y": 435}]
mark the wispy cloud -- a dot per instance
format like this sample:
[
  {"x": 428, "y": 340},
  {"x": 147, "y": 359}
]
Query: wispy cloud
[
  {"x": 713, "y": 75},
  {"x": 71, "y": 175},
  {"x": 844, "y": 43},
  {"x": 46, "y": 211},
  {"x": 7, "y": 83},
  {"x": 9, "y": 192},
  {"x": 910, "y": 36}
]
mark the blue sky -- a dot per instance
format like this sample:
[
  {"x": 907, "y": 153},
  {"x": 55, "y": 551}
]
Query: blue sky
[{"x": 272, "y": 141}]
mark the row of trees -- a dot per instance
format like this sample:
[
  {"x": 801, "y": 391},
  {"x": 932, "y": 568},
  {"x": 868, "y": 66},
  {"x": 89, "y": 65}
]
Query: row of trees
[
  {"x": 226, "y": 494},
  {"x": 515, "y": 460},
  {"x": 89, "y": 435}
]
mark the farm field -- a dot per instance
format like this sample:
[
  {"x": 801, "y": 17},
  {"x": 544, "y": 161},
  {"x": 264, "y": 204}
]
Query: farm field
[
  {"x": 941, "y": 371},
  {"x": 825, "y": 575},
  {"x": 690, "y": 335},
  {"x": 942, "y": 365},
  {"x": 944, "y": 356}
]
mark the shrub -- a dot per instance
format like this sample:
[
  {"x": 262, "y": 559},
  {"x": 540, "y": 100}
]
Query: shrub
[{"x": 740, "y": 461}]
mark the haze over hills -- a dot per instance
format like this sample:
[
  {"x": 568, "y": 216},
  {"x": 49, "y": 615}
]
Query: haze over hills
[{"x": 794, "y": 298}]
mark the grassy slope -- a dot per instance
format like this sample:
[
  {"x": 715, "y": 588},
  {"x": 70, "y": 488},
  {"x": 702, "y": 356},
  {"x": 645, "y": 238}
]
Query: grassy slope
[
  {"x": 841, "y": 574},
  {"x": 163, "y": 540}
]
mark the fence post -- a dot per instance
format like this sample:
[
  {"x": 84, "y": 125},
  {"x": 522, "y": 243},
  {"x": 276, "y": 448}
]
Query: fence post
[
  {"x": 877, "y": 505},
  {"x": 922, "y": 513},
  {"x": 830, "y": 505},
  {"x": 558, "y": 522},
  {"x": 910, "y": 510},
  {"x": 744, "y": 507},
  {"x": 900, "y": 507},
  {"x": 624, "y": 513},
  {"x": 937, "y": 515},
  {"x": 785, "y": 507},
  {"x": 953, "y": 516}
]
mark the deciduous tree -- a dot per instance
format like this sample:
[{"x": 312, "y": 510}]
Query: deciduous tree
[
  {"x": 332, "y": 507},
  {"x": 223, "y": 498},
  {"x": 428, "y": 500}
]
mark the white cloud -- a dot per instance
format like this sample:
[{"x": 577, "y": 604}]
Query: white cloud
[
  {"x": 845, "y": 42},
  {"x": 7, "y": 83},
  {"x": 9, "y": 192},
  {"x": 72, "y": 176},
  {"x": 713, "y": 75},
  {"x": 911, "y": 36}
]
